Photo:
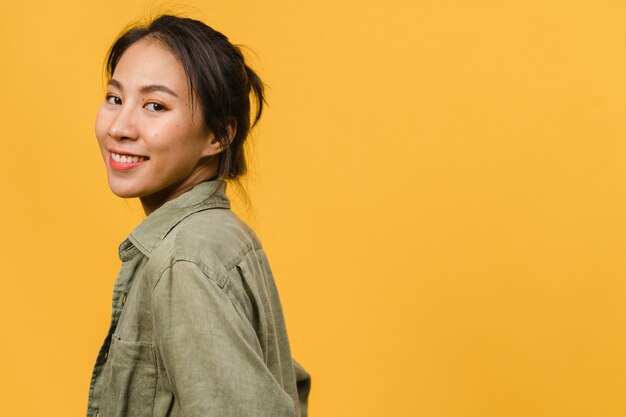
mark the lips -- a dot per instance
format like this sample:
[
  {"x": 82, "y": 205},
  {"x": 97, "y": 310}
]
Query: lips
[{"x": 123, "y": 161}]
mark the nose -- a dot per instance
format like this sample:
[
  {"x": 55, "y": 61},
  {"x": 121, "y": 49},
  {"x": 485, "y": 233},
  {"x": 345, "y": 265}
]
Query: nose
[{"x": 123, "y": 127}]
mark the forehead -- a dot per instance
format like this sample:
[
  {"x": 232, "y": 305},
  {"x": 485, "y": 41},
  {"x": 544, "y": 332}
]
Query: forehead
[{"x": 148, "y": 61}]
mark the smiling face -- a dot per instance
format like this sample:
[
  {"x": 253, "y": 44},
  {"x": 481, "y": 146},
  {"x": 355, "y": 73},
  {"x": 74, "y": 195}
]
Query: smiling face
[{"x": 151, "y": 135}]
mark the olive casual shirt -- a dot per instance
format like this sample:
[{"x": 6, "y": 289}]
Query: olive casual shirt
[{"x": 197, "y": 327}]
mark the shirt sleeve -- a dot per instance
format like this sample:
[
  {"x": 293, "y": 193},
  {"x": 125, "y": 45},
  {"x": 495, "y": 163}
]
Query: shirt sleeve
[
  {"x": 303, "y": 384},
  {"x": 210, "y": 351}
]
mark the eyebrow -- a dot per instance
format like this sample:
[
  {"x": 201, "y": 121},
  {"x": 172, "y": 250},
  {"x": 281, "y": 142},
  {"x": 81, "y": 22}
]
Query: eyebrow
[{"x": 144, "y": 89}]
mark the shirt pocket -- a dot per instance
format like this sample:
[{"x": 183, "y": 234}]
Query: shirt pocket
[{"x": 131, "y": 380}]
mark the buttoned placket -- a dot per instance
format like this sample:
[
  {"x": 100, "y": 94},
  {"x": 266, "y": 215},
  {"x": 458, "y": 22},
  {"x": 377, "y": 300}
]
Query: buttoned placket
[{"x": 122, "y": 286}]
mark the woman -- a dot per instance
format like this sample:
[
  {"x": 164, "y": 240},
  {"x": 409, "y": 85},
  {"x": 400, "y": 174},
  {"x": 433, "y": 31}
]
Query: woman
[{"x": 197, "y": 327}]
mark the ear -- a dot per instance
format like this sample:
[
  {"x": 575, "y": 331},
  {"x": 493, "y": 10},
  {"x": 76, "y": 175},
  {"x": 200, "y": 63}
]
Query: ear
[{"x": 213, "y": 145}]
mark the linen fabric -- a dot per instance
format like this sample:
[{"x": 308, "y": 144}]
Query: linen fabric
[{"x": 197, "y": 327}]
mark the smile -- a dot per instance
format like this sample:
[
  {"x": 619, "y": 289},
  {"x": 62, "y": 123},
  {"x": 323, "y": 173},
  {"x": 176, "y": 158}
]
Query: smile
[
  {"x": 127, "y": 159},
  {"x": 125, "y": 162}
]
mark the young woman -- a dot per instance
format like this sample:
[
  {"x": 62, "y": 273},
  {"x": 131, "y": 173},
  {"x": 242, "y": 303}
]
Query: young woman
[{"x": 197, "y": 327}]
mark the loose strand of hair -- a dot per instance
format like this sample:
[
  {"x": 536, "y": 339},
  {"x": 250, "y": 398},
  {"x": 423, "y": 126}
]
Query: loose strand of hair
[{"x": 258, "y": 90}]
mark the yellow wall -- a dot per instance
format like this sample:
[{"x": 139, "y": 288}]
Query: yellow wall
[{"x": 440, "y": 185}]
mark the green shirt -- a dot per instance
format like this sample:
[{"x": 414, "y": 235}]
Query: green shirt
[{"x": 197, "y": 327}]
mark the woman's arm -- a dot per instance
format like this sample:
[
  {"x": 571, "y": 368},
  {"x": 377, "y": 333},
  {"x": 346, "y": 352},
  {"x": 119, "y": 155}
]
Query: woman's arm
[{"x": 210, "y": 351}]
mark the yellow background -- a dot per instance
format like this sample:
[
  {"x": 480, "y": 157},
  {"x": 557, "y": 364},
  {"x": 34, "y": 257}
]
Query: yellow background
[{"x": 440, "y": 186}]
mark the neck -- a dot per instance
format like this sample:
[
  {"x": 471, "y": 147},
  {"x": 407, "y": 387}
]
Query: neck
[{"x": 153, "y": 201}]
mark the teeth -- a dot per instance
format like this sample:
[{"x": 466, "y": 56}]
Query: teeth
[{"x": 125, "y": 159}]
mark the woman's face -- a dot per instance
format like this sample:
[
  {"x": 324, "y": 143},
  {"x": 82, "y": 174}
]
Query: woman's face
[{"x": 151, "y": 136}]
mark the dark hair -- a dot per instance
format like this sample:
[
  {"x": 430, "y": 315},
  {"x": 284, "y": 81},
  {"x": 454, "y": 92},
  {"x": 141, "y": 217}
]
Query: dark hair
[{"x": 217, "y": 76}]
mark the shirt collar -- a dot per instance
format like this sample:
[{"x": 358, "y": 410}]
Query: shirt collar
[{"x": 151, "y": 231}]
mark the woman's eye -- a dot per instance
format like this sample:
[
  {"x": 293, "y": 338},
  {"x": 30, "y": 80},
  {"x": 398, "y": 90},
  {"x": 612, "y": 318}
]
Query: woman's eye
[
  {"x": 153, "y": 106},
  {"x": 113, "y": 100}
]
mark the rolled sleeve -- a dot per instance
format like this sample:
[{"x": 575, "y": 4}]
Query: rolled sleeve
[{"x": 210, "y": 351}]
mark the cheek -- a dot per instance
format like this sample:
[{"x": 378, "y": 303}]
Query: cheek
[
  {"x": 163, "y": 138},
  {"x": 101, "y": 126}
]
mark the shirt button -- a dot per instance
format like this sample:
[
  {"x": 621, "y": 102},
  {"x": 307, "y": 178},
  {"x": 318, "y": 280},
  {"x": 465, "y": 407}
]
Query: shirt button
[
  {"x": 106, "y": 355},
  {"x": 124, "y": 299}
]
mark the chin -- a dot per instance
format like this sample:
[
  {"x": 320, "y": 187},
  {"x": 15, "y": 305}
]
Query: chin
[{"x": 123, "y": 191}]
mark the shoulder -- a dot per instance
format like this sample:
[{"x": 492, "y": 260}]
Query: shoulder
[{"x": 216, "y": 240}]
